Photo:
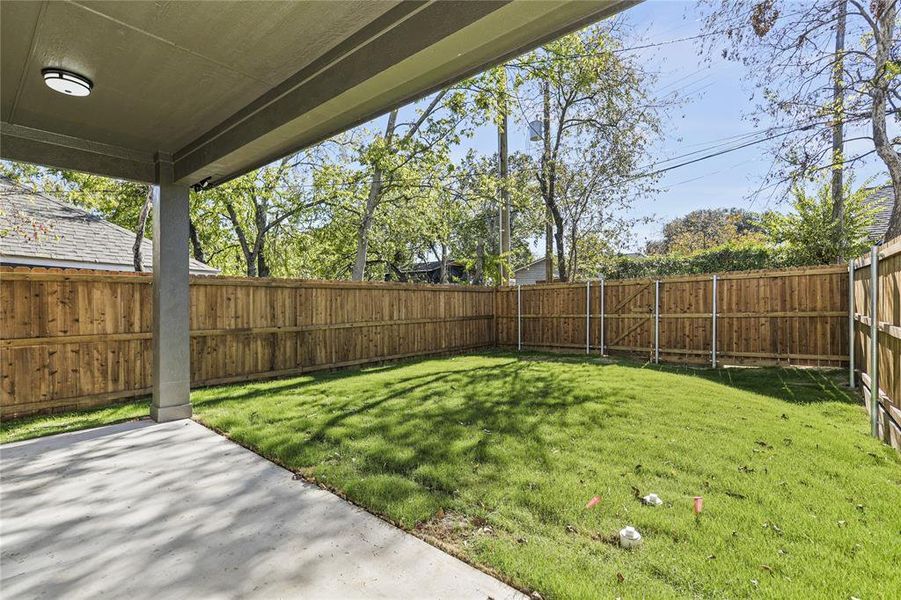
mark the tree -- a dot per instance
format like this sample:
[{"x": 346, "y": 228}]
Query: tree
[
  {"x": 810, "y": 235},
  {"x": 600, "y": 121},
  {"x": 139, "y": 230},
  {"x": 463, "y": 217},
  {"x": 707, "y": 228},
  {"x": 260, "y": 203},
  {"x": 398, "y": 163},
  {"x": 817, "y": 67}
]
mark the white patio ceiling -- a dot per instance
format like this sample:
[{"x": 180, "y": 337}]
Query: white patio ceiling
[{"x": 224, "y": 87}]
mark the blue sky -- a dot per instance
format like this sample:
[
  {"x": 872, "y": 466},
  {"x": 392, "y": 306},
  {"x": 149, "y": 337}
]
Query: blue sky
[{"x": 717, "y": 99}]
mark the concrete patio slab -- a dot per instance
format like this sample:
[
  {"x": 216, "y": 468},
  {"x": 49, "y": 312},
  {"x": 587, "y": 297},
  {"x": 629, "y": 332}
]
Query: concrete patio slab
[{"x": 173, "y": 510}]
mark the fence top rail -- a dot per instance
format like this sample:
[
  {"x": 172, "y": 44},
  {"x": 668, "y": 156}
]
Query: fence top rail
[
  {"x": 758, "y": 274},
  {"x": 889, "y": 248},
  {"x": 53, "y": 274},
  {"x": 57, "y": 274}
]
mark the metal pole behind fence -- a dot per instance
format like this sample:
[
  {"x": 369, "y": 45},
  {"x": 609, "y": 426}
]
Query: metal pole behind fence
[
  {"x": 602, "y": 317},
  {"x": 851, "y": 328},
  {"x": 874, "y": 341},
  {"x": 519, "y": 317},
  {"x": 588, "y": 316},
  {"x": 713, "y": 332},
  {"x": 657, "y": 321}
]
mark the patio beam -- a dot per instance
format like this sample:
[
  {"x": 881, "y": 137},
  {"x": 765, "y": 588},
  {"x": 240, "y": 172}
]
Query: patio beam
[
  {"x": 40, "y": 147},
  {"x": 171, "y": 302}
]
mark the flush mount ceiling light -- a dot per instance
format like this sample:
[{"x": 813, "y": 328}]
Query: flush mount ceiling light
[{"x": 67, "y": 82}]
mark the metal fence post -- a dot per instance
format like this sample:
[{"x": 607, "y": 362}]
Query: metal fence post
[
  {"x": 851, "y": 329},
  {"x": 588, "y": 316},
  {"x": 713, "y": 330},
  {"x": 519, "y": 317},
  {"x": 657, "y": 321},
  {"x": 602, "y": 317},
  {"x": 874, "y": 341}
]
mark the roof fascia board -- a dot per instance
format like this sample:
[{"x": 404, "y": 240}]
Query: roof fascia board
[
  {"x": 62, "y": 263},
  {"x": 395, "y": 36},
  {"x": 304, "y": 97}
]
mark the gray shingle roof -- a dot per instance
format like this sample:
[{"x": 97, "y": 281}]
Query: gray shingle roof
[
  {"x": 883, "y": 200},
  {"x": 35, "y": 227}
]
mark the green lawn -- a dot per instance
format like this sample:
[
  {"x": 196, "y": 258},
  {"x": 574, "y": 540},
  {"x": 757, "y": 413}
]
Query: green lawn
[{"x": 495, "y": 456}]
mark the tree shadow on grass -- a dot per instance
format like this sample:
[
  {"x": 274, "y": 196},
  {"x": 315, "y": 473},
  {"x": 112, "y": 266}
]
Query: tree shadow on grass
[
  {"x": 414, "y": 435},
  {"x": 796, "y": 385}
]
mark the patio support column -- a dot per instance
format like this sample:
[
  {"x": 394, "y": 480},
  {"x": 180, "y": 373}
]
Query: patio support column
[{"x": 171, "y": 337}]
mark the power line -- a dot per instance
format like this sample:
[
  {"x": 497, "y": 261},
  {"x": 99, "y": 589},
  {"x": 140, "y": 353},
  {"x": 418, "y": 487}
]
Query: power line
[{"x": 712, "y": 155}]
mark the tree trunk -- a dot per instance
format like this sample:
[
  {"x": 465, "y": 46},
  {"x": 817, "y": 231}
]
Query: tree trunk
[
  {"x": 139, "y": 233},
  {"x": 443, "y": 262},
  {"x": 504, "y": 200},
  {"x": 250, "y": 258},
  {"x": 372, "y": 202},
  {"x": 838, "y": 134},
  {"x": 262, "y": 265},
  {"x": 573, "y": 249},
  {"x": 479, "y": 276},
  {"x": 559, "y": 237},
  {"x": 196, "y": 246},
  {"x": 548, "y": 192},
  {"x": 881, "y": 140},
  {"x": 260, "y": 212}
]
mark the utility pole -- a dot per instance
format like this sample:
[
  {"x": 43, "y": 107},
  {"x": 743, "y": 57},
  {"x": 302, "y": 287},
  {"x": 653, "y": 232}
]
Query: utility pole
[
  {"x": 838, "y": 121},
  {"x": 546, "y": 173},
  {"x": 504, "y": 203}
]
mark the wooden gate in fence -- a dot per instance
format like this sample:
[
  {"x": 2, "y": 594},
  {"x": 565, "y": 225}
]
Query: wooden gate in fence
[
  {"x": 791, "y": 316},
  {"x": 876, "y": 351}
]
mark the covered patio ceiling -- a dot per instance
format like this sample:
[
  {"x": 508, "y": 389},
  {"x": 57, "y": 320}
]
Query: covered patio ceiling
[
  {"x": 196, "y": 92},
  {"x": 220, "y": 88}
]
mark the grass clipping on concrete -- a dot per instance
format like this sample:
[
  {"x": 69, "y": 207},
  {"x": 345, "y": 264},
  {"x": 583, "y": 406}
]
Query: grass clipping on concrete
[{"x": 496, "y": 455}]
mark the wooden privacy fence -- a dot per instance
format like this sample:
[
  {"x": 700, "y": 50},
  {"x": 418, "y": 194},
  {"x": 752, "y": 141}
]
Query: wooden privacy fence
[
  {"x": 72, "y": 339},
  {"x": 876, "y": 352},
  {"x": 793, "y": 316}
]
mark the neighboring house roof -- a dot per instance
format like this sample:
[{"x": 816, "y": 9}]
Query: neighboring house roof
[
  {"x": 38, "y": 230},
  {"x": 529, "y": 265},
  {"x": 883, "y": 200}
]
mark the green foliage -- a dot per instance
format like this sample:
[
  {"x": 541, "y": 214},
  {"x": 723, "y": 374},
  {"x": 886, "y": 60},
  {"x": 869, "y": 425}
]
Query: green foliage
[
  {"x": 117, "y": 201},
  {"x": 603, "y": 121},
  {"x": 811, "y": 235},
  {"x": 728, "y": 257},
  {"x": 707, "y": 228}
]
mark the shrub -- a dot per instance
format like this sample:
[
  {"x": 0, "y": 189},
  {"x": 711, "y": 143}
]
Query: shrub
[{"x": 728, "y": 257}]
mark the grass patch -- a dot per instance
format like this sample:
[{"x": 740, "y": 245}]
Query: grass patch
[
  {"x": 799, "y": 501},
  {"x": 497, "y": 454},
  {"x": 37, "y": 426}
]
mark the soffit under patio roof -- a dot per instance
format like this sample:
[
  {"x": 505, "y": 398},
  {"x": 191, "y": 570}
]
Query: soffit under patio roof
[{"x": 225, "y": 87}]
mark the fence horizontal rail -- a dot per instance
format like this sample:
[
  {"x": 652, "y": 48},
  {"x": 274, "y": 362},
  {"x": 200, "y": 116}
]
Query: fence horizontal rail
[{"x": 73, "y": 339}]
